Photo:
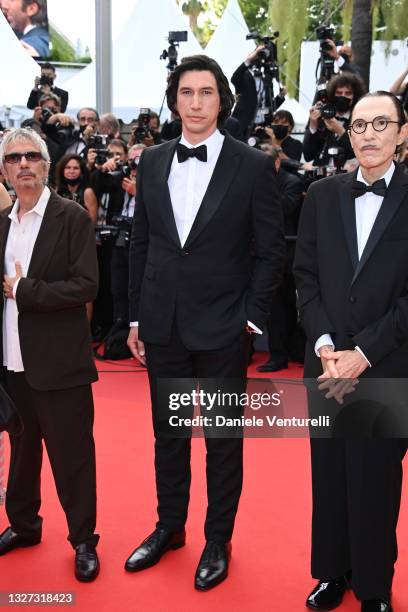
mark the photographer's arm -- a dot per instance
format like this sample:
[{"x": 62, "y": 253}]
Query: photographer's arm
[{"x": 398, "y": 87}]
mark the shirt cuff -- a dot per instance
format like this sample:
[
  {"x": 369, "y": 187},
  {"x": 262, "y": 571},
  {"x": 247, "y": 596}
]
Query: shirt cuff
[
  {"x": 255, "y": 328},
  {"x": 134, "y": 324},
  {"x": 247, "y": 63},
  {"x": 324, "y": 340},
  {"x": 15, "y": 288},
  {"x": 312, "y": 130},
  {"x": 340, "y": 61},
  {"x": 357, "y": 348}
]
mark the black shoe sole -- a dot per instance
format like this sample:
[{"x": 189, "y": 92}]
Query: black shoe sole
[
  {"x": 211, "y": 585},
  {"x": 155, "y": 562},
  {"x": 26, "y": 544}
]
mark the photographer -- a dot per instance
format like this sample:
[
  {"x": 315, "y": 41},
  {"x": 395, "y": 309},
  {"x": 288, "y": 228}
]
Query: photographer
[
  {"x": 285, "y": 339},
  {"x": 251, "y": 94},
  {"x": 57, "y": 126},
  {"x": 88, "y": 124},
  {"x": 343, "y": 57},
  {"x": 120, "y": 256},
  {"x": 45, "y": 85},
  {"x": 400, "y": 88},
  {"x": 329, "y": 119},
  {"x": 146, "y": 130},
  {"x": 280, "y": 135},
  {"x": 106, "y": 182},
  {"x": 109, "y": 126}
]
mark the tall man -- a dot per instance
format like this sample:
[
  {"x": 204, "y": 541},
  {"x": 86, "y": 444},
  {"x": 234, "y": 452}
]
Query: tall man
[
  {"x": 352, "y": 280},
  {"x": 48, "y": 260},
  {"x": 204, "y": 204}
]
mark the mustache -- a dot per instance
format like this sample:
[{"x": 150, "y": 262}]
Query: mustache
[{"x": 25, "y": 173}]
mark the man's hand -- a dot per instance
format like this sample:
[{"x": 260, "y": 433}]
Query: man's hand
[
  {"x": 252, "y": 56},
  {"x": 109, "y": 166},
  {"x": 88, "y": 132},
  {"x": 10, "y": 281},
  {"x": 328, "y": 363},
  {"x": 37, "y": 113},
  {"x": 61, "y": 118},
  {"x": 91, "y": 157},
  {"x": 129, "y": 185},
  {"x": 349, "y": 364},
  {"x": 272, "y": 136},
  {"x": 315, "y": 115},
  {"x": 334, "y": 126},
  {"x": 337, "y": 389},
  {"x": 136, "y": 346}
]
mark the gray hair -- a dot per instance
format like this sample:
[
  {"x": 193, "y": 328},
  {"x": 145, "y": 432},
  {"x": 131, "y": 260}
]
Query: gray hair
[
  {"x": 137, "y": 146},
  {"x": 19, "y": 134}
]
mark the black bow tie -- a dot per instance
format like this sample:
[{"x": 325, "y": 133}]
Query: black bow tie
[
  {"x": 184, "y": 153},
  {"x": 378, "y": 187}
]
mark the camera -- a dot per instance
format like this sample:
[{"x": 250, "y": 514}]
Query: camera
[
  {"x": 46, "y": 114},
  {"x": 327, "y": 110},
  {"x": 124, "y": 229},
  {"x": 143, "y": 128},
  {"x": 46, "y": 80},
  {"x": 126, "y": 169},
  {"x": 174, "y": 39},
  {"x": 99, "y": 142},
  {"x": 266, "y": 59},
  {"x": 324, "y": 33}
]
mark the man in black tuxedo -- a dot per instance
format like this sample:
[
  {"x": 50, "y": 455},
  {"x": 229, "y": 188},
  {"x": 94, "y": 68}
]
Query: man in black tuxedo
[
  {"x": 352, "y": 280},
  {"x": 205, "y": 203}
]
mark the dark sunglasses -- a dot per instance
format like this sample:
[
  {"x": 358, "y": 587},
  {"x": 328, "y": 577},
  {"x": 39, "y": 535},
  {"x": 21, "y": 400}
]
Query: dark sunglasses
[{"x": 30, "y": 156}]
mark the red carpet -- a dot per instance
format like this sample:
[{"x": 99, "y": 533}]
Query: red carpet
[{"x": 269, "y": 570}]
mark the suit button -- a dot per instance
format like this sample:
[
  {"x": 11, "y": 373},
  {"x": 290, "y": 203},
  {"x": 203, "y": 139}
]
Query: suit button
[
  {"x": 184, "y": 253},
  {"x": 352, "y": 299}
]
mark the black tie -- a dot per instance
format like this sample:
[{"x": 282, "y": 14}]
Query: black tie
[
  {"x": 184, "y": 153},
  {"x": 378, "y": 187}
]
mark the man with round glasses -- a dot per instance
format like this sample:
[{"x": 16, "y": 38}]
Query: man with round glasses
[
  {"x": 49, "y": 272},
  {"x": 352, "y": 280}
]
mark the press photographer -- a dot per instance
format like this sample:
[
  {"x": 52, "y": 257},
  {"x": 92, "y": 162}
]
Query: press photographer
[
  {"x": 146, "y": 130},
  {"x": 279, "y": 134},
  {"x": 329, "y": 120},
  {"x": 56, "y": 125},
  {"x": 45, "y": 85},
  {"x": 87, "y": 126},
  {"x": 253, "y": 82}
]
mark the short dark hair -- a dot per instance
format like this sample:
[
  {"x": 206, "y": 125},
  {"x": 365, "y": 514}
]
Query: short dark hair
[
  {"x": 40, "y": 18},
  {"x": 201, "y": 63},
  {"x": 286, "y": 115},
  {"x": 117, "y": 142},
  {"x": 51, "y": 96},
  {"x": 48, "y": 66},
  {"x": 346, "y": 79},
  {"x": 59, "y": 170},
  {"x": 401, "y": 116}
]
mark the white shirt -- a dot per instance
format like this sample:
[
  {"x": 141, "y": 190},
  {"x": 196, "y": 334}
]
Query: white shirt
[
  {"x": 20, "y": 244},
  {"x": 188, "y": 182},
  {"x": 367, "y": 208}
]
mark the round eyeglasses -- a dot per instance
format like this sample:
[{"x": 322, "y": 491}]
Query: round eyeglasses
[{"x": 379, "y": 124}]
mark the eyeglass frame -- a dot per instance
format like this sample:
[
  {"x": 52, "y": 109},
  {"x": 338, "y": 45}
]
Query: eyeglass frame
[
  {"x": 387, "y": 121},
  {"x": 21, "y": 155}
]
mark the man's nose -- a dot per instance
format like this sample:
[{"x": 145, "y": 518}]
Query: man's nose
[
  {"x": 23, "y": 163},
  {"x": 196, "y": 102}
]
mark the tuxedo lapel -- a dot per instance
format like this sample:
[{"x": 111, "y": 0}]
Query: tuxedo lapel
[
  {"x": 48, "y": 236},
  {"x": 164, "y": 161},
  {"x": 348, "y": 213},
  {"x": 397, "y": 190},
  {"x": 224, "y": 172}
]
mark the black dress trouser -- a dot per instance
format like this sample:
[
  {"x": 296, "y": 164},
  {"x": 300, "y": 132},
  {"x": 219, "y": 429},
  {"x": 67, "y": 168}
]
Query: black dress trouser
[
  {"x": 224, "y": 467},
  {"x": 64, "y": 420}
]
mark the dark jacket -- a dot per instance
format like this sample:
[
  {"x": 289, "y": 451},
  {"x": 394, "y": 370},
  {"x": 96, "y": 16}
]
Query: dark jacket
[
  {"x": 210, "y": 284},
  {"x": 35, "y": 95},
  {"x": 63, "y": 275}
]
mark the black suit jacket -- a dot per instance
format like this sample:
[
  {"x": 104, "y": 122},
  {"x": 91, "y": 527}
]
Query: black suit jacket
[
  {"x": 63, "y": 275},
  {"x": 210, "y": 282},
  {"x": 35, "y": 95},
  {"x": 360, "y": 302}
]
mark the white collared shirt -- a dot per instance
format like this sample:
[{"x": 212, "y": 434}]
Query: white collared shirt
[
  {"x": 20, "y": 244},
  {"x": 367, "y": 208},
  {"x": 188, "y": 181}
]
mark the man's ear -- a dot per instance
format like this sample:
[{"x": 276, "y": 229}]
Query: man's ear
[{"x": 32, "y": 9}]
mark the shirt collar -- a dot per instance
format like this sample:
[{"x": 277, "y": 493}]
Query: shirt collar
[
  {"x": 213, "y": 143},
  {"x": 28, "y": 29},
  {"x": 39, "y": 208},
  {"x": 387, "y": 176}
]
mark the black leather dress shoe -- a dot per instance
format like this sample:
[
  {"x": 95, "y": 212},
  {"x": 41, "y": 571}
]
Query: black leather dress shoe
[
  {"x": 10, "y": 540},
  {"x": 272, "y": 366},
  {"x": 153, "y": 547},
  {"x": 375, "y": 605},
  {"x": 328, "y": 595},
  {"x": 86, "y": 563},
  {"x": 213, "y": 565}
]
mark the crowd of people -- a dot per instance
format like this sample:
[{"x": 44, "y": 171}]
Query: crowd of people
[{"x": 203, "y": 230}]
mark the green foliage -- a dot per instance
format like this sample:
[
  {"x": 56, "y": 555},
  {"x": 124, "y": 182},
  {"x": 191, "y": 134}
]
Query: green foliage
[{"x": 62, "y": 50}]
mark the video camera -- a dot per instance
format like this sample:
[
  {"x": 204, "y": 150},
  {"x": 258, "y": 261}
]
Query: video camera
[
  {"x": 323, "y": 34},
  {"x": 174, "y": 40}
]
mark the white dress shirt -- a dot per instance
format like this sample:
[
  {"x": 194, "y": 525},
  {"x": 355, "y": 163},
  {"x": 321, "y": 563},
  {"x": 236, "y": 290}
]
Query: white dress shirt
[
  {"x": 20, "y": 244},
  {"x": 188, "y": 182},
  {"x": 367, "y": 208}
]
